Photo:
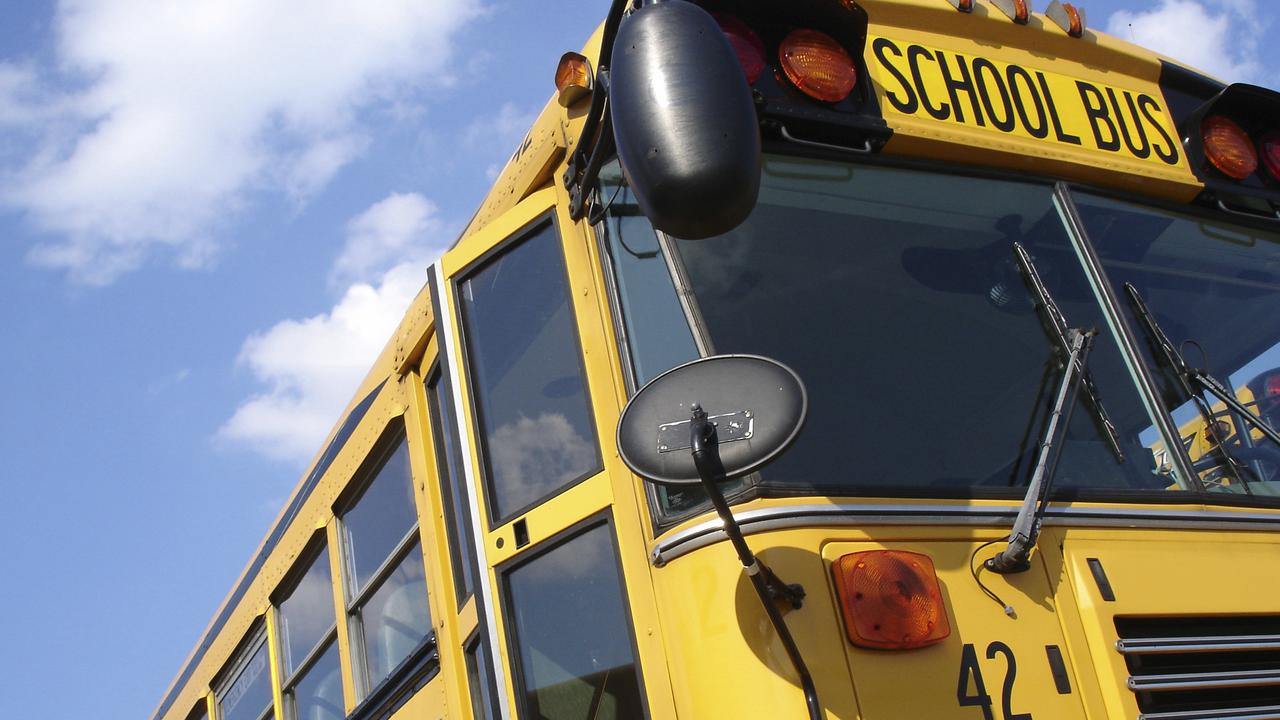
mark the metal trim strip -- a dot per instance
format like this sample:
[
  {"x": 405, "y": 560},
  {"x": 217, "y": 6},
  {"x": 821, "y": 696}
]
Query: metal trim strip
[
  {"x": 1267, "y": 712},
  {"x": 1223, "y": 643},
  {"x": 444, "y": 321},
  {"x": 709, "y": 532},
  {"x": 1203, "y": 680}
]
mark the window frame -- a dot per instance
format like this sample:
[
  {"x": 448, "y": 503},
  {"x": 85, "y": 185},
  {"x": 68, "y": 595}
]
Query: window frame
[
  {"x": 354, "y": 599},
  {"x": 526, "y": 232},
  {"x": 604, "y": 518}
]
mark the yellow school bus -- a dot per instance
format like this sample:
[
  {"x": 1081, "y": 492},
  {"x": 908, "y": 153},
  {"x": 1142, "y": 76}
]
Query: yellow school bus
[{"x": 988, "y": 255}]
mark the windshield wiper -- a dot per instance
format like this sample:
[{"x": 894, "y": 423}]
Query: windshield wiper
[
  {"x": 1072, "y": 345},
  {"x": 1195, "y": 382}
]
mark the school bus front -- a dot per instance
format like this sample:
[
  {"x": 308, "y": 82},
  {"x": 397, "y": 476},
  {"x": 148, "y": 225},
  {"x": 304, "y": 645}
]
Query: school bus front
[{"x": 966, "y": 242}]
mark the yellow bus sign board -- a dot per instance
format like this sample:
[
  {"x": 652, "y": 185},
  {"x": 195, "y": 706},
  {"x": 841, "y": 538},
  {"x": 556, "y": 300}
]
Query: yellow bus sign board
[{"x": 996, "y": 102}]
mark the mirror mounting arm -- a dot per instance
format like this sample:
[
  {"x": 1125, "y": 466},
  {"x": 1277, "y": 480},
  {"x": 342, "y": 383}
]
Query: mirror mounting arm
[{"x": 706, "y": 456}]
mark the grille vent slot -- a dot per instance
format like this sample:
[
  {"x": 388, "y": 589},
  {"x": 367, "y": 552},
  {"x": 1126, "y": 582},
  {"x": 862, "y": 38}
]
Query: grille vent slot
[{"x": 1203, "y": 667}]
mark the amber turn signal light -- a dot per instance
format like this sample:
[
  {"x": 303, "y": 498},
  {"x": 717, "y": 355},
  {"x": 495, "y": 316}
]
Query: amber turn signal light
[
  {"x": 891, "y": 600},
  {"x": 1228, "y": 147},
  {"x": 818, "y": 65},
  {"x": 573, "y": 78}
]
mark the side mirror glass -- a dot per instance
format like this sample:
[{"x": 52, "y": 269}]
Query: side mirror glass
[
  {"x": 683, "y": 120},
  {"x": 757, "y": 405}
]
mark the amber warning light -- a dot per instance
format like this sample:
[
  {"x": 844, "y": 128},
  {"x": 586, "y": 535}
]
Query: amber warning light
[{"x": 891, "y": 600}]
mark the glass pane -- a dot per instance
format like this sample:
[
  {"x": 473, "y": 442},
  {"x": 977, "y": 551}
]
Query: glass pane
[
  {"x": 396, "y": 617},
  {"x": 318, "y": 695},
  {"x": 574, "y": 645},
  {"x": 449, "y": 461},
  {"x": 530, "y": 389},
  {"x": 1214, "y": 290},
  {"x": 380, "y": 519},
  {"x": 250, "y": 693},
  {"x": 895, "y": 296},
  {"x": 480, "y": 679},
  {"x": 655, "y": 322},
  {"x": 307, "y": 613}
]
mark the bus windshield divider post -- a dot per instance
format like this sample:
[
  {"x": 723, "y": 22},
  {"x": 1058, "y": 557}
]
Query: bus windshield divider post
[
  {"x": 1196, "y": 381},
  {"x": 1073, "y": 345},
  {"x": 706, "y": 456}
]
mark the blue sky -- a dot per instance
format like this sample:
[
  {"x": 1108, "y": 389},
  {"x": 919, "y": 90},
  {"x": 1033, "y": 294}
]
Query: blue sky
[{"x": 211, "y": 215}]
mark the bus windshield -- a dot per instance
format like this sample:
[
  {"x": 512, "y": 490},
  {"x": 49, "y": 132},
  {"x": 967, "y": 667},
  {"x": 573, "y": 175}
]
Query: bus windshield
[{"x": 895, "y": 296}]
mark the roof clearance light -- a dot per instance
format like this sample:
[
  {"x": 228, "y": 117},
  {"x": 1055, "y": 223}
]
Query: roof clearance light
[
  {"x": 1228, "y": 147},
  {"x": 573, "y": 78},
  {"x": 1016, "y": 10},
  {"x": 818, "y": 65},
  {"x": 964, "y": 6},
  {"x": 1270, "y": 145},
  {"x": 1067, "y": 16},
  {"x": 891, "y": 600},
  {"x": 745, "y": 43}
]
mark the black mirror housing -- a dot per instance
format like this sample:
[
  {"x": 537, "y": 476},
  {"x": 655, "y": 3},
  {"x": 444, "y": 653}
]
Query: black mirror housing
[{"x": 684, "y": 121}]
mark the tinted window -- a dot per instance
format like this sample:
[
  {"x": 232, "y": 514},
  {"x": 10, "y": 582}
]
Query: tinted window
[
  {"x": 480, "y": 678},
  {"x": 1214, "y": 290},
  {"x": 449, "y": 462},
  {"x": 396, "y": 617},
  {"x": 387, "y": 609},
  {"x": 248, "y": 694},
  {"x": 534, "y": 414},
  {"x": 318, "y": 696},
  {"x": 306, "y": 614},
  {"x": 575, "y": 645},
  {"x": 380, "y": 518},
  {"x": 895, "y": 296}
]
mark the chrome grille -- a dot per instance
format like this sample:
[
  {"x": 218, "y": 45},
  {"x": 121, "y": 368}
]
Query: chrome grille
[{"x": 1203, "y": 668}]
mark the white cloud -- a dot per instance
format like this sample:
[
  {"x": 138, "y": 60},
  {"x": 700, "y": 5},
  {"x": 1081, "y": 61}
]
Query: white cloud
[
  {"x": 496, "y": 135},
  {"x": 312, "y": 367},
  {"x": 400, "y": 228},
  {"x": 1217, "y": 36},
  {"x": 186, "y": 105}
]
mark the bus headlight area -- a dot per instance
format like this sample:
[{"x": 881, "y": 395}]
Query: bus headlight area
[{"x": 852, "y": 359}]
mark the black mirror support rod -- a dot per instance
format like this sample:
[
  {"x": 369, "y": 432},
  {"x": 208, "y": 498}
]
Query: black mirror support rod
[
  {"x": 579, "y": 175},
  {"x": 706, "y": 455}
]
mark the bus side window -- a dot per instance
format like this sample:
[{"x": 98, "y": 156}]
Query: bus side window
[
  {"x": 480, "y": 675},
  {"x": 570, "y": 631},
  {"x": 307, "y": 645},
  {"x": 533, "y": 411},
  {"x": 244, "y": 691},
  {"x": 462, "y": 550},
  {"x": 386, "y": 588}
]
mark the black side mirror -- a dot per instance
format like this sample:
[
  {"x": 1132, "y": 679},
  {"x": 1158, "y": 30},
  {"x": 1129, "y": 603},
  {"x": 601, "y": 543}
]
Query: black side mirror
[
  {"x": 683, "y": 120},
  {"x": 756, "y": 405}
]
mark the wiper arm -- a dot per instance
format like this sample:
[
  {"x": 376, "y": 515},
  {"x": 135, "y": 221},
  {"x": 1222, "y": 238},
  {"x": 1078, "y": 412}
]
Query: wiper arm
[
  {"x": 1073, "y": 345},
  {"x": 1195, "y": 382}
]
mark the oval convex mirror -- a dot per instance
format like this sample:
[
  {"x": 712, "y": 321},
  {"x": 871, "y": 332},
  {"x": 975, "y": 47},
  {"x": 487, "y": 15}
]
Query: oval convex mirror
[{"x": 758, "y": 406}]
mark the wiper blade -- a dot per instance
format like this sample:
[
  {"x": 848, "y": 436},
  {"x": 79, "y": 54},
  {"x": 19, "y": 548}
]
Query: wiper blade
[
  {"x": 1073, "y": 345},
  {"x": 1056, "y": 324},
  {"x": 1195, "y": 382}
]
